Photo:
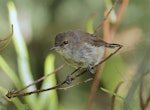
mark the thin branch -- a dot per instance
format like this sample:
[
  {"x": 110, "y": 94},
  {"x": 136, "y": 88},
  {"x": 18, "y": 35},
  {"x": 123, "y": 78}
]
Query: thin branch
[
  {"x": 100, "y": 66},
  {"x": 114, "y": 96},
  {"x": 110, "y": 55},
  {"x": 6, "y": 39},
  {"x": 147, "y": 101},
  {"x": 120, "y": 14},
  {"x": 99, "y": 27},
  {"x": 79, "y": 83},
  {"x": 13, "y": 94},
  {"x": 106, "y": 30},
  {"x": 94, "y": 88},
  {"x": 40, "y": 79},
  {"x": 143, "y": 104},
  {"x": 141, "y": 97}
]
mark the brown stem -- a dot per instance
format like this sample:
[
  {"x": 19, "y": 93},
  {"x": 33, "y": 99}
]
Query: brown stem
[
  {"x": 106, "y": 29},
  {"x": 143, "y": 104},
  {"x": 100, "y": 26},
  {"x": 7, "y": 39},
  {"x": 99, "y": 68},
  {"x": 147, "y": 101},
  {"x": 79, "y": 83},
  {"x": 94, "y": 87},
  {"x": 114, "y": 97},
  {"x": 141, "y": 97},
  {"x": 13, "y": 94},
  {"x": 120, "y": 14},
  {"x": 40, "y": 79}
]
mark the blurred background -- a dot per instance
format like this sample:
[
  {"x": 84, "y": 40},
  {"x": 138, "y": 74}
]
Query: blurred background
[{"x": 40, "y": 21}]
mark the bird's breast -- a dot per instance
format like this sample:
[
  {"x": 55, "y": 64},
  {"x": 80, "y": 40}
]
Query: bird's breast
[{"x": 84, "y": 55}]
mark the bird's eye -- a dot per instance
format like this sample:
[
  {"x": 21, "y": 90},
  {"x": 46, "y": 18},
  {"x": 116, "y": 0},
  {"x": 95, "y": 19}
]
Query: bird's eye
[{"x": 65, "y": 42}]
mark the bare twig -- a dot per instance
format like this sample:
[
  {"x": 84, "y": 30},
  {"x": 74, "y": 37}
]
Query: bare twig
[
  {"x": 147, "y": 101},
  {"x": 68, "y": 87},
  {"x": 40, "y": 79},
  {"x": 141, "y": 97},
  {"x": 94, "y": 88},
  {"x": 13, "y": 94},
  {"x": 6, "y": 39},
  {"x": 106, "y": 30},
  {"x": 114, "y": 97},
  {"x": 120, "y": 14},
  {"x": 111, "y": 54},
  {"x": 143, "y": 104},
  {"x": 99, "y": 27}
]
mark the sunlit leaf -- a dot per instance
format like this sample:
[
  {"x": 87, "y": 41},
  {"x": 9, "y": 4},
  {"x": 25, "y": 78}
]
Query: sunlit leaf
[
  {"x": 22, "y": 54},
  {"x": 49, "y": 99}
]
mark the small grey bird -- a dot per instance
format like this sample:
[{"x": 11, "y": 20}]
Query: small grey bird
[{"x": 81, "y": 49}]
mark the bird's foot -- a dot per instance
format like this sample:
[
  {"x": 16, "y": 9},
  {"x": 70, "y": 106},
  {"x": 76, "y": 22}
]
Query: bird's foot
[{"x": 68, "y": 79}]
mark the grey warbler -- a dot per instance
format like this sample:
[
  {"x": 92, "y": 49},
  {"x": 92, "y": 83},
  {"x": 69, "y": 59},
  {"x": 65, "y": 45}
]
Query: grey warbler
[{"x": 81, "y": 49}]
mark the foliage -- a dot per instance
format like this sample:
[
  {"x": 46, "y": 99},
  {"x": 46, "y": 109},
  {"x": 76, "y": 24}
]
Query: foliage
[{"x": 41, "y": 20}]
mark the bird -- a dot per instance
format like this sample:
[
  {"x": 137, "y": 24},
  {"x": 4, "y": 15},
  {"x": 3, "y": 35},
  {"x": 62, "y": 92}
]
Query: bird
[{"x": 81, "y": 49}]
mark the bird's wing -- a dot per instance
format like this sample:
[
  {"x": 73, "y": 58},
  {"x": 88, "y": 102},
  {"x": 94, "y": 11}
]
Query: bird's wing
[{"x": 93, "y": 40}]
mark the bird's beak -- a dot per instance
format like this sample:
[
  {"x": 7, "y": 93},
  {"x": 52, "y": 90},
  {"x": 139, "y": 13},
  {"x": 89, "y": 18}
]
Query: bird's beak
[{"x": 53, "y": 48}]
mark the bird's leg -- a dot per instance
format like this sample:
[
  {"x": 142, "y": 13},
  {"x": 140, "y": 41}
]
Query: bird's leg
[{"x": 68, "y": 78}]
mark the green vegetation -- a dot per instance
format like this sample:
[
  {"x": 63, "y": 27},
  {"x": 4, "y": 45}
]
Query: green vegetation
[{"x": 26, "y": 57}]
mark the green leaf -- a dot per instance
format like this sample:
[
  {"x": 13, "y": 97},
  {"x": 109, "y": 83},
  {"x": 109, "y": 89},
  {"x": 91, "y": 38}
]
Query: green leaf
[
  {"x": 22, "y": 54},
  {"x": 11, "y": 74},
  {"x": 89, "y": 25},
  {"x": 112, "y": 93},
  {"x": 49, "y": 99},
  {"x": 112, "y": 72}
]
